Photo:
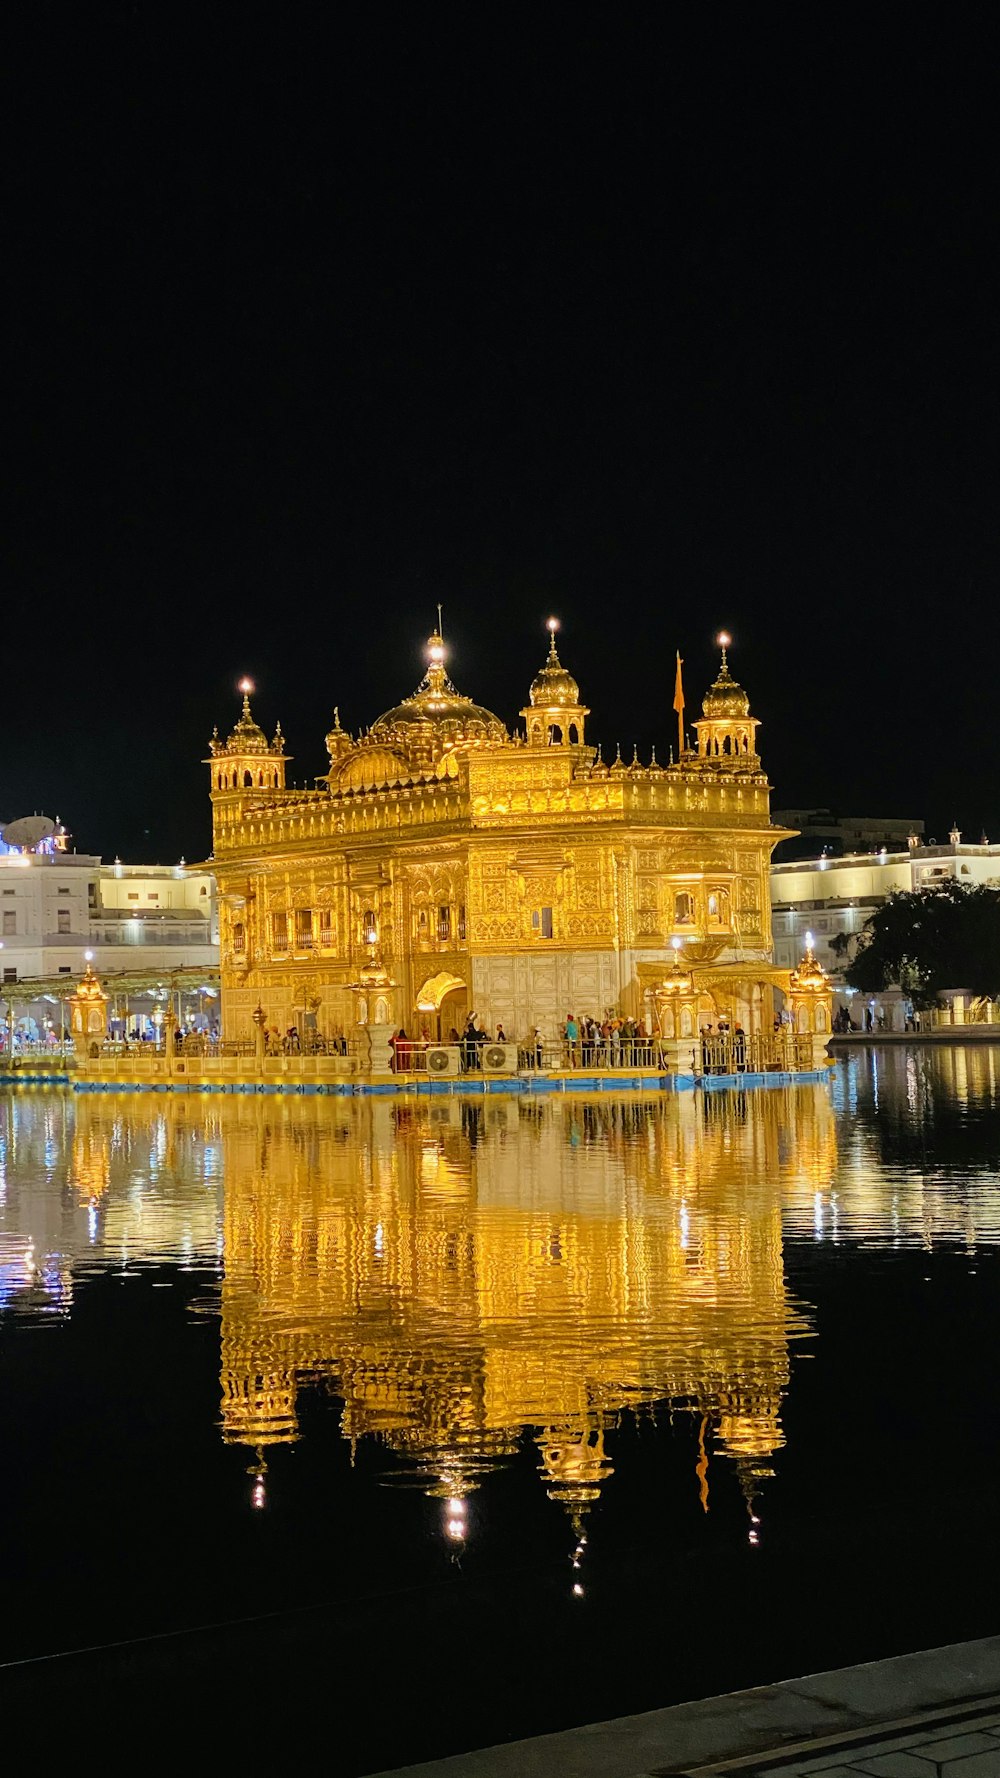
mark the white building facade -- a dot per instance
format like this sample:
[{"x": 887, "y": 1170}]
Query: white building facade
[
  {"x": 830, "y": 897},
  {"x": 59, "y": 908}
]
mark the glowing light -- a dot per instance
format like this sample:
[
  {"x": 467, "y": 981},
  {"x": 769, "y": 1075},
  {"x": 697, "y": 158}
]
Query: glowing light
[
  {"x": 724, "y": 639},
  {"x": 246, "y": 686},
  {"x": 676, "y": 943},
  {"x": 809, "y": 941},
  {"x": 436, "y": 651},
  {"x": 456, "y": 1506},
  {"x": 455, "y": 1528},
  {"x": 577, "y": 1590},
  {"x": 88, "y": 956},
  {"x": 259, "y": 1496},
  {"x": 552, "y": 625}
]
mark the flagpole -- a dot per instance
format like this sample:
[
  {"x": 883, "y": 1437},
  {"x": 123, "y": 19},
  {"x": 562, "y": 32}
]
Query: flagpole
[{"x": 679, "y": 707}]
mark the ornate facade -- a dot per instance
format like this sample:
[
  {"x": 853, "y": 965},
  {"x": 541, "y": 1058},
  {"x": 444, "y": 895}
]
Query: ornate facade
[{"x": 514, "y": 875}]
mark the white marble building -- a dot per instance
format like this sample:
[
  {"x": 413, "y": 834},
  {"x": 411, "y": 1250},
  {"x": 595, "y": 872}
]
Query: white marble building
[{"x": 830, "y": 896}]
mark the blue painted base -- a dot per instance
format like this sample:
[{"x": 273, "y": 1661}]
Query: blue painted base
[{"x": 463, "y": 1085}]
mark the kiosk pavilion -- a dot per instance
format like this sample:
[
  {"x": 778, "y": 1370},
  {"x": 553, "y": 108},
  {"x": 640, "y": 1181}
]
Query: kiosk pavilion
[{"x": 456, "y": 868}]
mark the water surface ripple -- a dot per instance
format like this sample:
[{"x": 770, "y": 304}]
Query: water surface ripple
[{"x": 674, "y": 1388}]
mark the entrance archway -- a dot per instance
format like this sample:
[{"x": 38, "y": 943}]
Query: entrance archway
[{"x": 432, "y": 1010}]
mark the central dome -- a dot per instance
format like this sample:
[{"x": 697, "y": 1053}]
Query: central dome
[{"x": 437, "y": 716}]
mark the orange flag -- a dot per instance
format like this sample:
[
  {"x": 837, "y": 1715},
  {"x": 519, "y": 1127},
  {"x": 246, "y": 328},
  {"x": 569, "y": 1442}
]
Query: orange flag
[{"x": 679, "y": 687}]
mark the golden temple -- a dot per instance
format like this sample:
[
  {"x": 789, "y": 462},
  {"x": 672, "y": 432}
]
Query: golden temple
[{"x": 513, "y": 875}]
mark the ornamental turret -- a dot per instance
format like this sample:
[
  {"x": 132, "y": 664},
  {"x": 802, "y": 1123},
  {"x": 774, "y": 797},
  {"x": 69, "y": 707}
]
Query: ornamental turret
[
  {"x": 338, "y": 742},
  {"x": 554, "y": 715},
  {"x": 727, "y": 733},
  {"x": 242, "y": 767}
]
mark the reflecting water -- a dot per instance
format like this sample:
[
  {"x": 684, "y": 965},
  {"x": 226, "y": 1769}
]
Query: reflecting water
[{"x": 448, "y": 1368}]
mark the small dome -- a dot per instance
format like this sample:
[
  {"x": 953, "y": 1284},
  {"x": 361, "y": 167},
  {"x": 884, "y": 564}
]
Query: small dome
[
  {"x": 725, "y": 698},
  {"x": 369, "y": 768},
  {"x": 247, "y": 736},
  {"x": 809, "y": 976},
  {"x": 552, "y": 685}
]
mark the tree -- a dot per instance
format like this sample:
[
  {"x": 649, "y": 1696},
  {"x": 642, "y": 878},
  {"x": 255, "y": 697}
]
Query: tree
[
  {"x": 947, "y": 936},
  {"x": 840, "y": 944}
]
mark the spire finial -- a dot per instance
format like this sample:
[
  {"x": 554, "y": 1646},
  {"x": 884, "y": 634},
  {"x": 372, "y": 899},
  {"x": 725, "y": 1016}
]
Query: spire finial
[
  {"x": 724, "y": 641},
  {"x": 440, "y": 624},
  {"x": 246, "y": 686},
  {"x": 552, "y": 625}
]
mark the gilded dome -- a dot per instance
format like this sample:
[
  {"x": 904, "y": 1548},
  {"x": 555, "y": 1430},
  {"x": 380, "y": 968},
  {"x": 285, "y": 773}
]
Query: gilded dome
[
  {"x": 247, "y": 736},
  {"x": 438, "y": 714},
  {"x": 725, "y": 697},
  {"x": 552, "y": 685},
  {"x": 369, "y": 768},
  {"x": 809, "y": 976}
]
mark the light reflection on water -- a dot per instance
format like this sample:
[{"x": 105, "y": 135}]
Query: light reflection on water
[
  {"x": 571, "y": 1333},
  {"x": 458, "y": 1272}
]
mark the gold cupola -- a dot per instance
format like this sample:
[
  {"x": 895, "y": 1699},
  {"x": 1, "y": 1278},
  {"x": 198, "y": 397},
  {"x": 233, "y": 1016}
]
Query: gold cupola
[
  {"x": 437, "y": 719},
  {"x": 247, "y": 760},
  {"x": 809, "y": 976},
  {"x": 554, "y": 715},
  {"x": 727, "y": 733},
  {"x": 247, "y": 735}
]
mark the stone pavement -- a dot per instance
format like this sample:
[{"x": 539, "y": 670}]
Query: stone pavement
[{"x": 935, "y": 1714}]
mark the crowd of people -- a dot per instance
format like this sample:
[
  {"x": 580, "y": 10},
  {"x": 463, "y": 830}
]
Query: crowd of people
[
  {"x": 724, "y": 1047},
  {"x": 611, "y": 1042}
]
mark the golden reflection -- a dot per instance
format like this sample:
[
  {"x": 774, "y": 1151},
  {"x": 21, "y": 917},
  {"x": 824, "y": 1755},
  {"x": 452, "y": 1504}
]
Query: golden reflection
[
  {"x": 473, "y": 1276},
  {"x": 460, "y": 1274}
]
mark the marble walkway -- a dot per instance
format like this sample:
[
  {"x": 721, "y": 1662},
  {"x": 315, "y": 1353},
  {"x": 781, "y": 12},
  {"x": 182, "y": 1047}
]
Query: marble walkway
[{"x": 935, "y": 1714}]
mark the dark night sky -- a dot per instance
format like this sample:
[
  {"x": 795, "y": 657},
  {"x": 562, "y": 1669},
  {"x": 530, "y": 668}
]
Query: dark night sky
[{"x": 658, "y": 318}]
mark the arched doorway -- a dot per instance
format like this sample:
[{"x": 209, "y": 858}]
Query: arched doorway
[{"x": 442, "y": 1003}]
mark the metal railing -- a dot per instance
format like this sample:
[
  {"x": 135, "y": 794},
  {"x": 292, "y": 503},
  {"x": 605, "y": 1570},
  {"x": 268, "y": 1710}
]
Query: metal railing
[
  {"x": 589, "y": 1056},
  {"x": 757, "y": 1052}
]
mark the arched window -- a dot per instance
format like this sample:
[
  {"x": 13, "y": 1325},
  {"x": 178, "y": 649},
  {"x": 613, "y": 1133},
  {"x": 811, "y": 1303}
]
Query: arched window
[
  {"x": 683, "y": 908},
  {"x": 718, "y": 907},
  {"x": 248, "y": 780},
  {"x": 369, "y": 930}
]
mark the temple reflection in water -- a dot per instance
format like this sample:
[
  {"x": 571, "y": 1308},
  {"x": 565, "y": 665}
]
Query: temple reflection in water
[
  {"x": 495, "y": 1268},
  {"x": 461, "y": 1273},
  {"x": 466, "y": 1275}
]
